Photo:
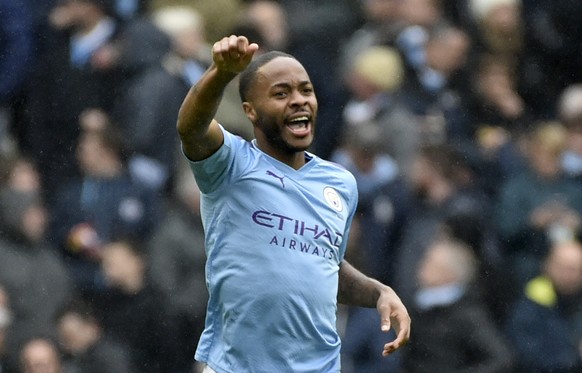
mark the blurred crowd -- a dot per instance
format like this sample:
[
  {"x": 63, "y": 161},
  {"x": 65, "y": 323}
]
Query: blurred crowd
[{"x": 460, "y": 119}]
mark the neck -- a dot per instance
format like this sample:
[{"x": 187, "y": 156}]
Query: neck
[{"x": 293, "y": 159}]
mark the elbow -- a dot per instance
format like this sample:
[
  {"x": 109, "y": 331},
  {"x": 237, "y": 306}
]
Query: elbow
[{"x": 181, "y": 124}]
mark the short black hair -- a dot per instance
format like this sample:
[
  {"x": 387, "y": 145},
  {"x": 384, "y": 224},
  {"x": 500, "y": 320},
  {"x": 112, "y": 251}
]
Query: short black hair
[{"x": 247, "y": 77}]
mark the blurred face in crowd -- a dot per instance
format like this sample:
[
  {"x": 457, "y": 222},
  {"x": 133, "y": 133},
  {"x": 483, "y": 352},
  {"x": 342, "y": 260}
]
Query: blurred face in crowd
[
  {"x": 504, "y": 18},
  {"x": 24, "y": 177},
  {"x": 381, "y": 10},
  {"x": 76, "y": 14},
  {"x": 420, "y": 12},
  {"x": 270, "y": 19},
  {"x": 420, "y": 175},
  {"x": 122, "y": 267},
  {"x": 564, "y": 268},
  {"x": 89, "y": 152},
  {"x": 95, "y": 158},
  {"x": 40, "y": 356},
  {"x": 435, "y": 269},
  {"x": 34, "y": 222},
  {"x": 545, "y": 148},
  {"x": 546, "y": 163},
  {"x": 282, "y": 107},
  {"x": 448, "y": 52},
  {"x": 76, "y": 335}
]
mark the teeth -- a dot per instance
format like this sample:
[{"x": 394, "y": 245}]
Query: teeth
[{"x": 299, "y": 119}]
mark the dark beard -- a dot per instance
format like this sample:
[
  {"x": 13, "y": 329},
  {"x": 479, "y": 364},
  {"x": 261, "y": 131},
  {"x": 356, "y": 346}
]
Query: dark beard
[{"x": 272, "y": 133}]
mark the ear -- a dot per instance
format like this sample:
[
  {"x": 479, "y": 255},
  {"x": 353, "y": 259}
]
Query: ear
[{"x": 250, "y": 111}]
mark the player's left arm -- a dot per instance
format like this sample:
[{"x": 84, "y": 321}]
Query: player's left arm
[{"x": 357, "y": 289}]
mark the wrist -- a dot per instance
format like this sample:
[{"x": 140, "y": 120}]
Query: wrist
[{"x": 221, "y": 75}]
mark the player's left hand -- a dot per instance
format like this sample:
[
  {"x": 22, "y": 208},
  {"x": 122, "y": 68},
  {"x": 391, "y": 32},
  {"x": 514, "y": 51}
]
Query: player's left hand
[{"x": 393, "y": 314}]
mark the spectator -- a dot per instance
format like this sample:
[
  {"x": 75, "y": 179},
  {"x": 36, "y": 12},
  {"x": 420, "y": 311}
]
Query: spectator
[
  {"x": 499, "y": 29},
  {"x": 383, "y": 200},
  {"x": 270, "y": 18},
  {"x": 219, "y": 15},
  {"x": 133, "y": 312},
  {"x": 16, "y": 57},
  {"x": 495, "y": 100},
  {"x": 70, "y": 76},
  {"x": 380, "y": 28},
  {"x": 420, "y": 18},
  {"x": 553, "y": 53},
  {"x": 438, "y": 195},
  {"x": 149, "y": 106},
  {"x": 545, "y": 323},
  {"x": 374, "y": 84},
  {"x": 570, "y": 115},
  {"x": 40, "y": 355},
  {"x": 539, "y": 205},
  {"x": 102, "y": 203},
  {"x": 434, "y": 84},
  {"x": 33, "y": 275},
  {"x": 87, "y": 348},
  {"x": 453, "y": 331},
  {"x": 177, "y": 262}
]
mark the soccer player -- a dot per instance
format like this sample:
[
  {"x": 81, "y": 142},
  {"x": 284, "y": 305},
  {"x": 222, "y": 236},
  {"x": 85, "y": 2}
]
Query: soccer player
[{"x": 276, "y": 220}]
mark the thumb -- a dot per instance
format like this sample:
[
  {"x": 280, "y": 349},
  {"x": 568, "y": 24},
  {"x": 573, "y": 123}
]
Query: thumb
[{"x": 250, "y": 52}]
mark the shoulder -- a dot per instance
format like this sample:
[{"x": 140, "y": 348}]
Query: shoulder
[
  {"x": 335, "y": 174},
  {"x": 337, "y": 178},
  {"x": 333, "y": 169}
]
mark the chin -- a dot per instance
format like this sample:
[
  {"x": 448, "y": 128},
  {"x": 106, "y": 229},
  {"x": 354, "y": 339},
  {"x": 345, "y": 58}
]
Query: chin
[{"x": 301, "y": 145}]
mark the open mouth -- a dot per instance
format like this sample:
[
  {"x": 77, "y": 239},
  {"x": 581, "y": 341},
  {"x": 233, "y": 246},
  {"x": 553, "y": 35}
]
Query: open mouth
[{"x": 299, "y": 125}]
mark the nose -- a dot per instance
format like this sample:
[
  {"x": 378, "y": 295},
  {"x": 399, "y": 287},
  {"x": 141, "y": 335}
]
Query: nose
[{"x": 297, "y": 98}]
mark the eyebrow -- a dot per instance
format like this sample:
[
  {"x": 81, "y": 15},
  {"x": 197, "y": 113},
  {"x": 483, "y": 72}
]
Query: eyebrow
[{"x": 288, "y": 85}]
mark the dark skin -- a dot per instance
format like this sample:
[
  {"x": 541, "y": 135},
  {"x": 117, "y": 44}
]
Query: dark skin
[{"x": 281, "y": 93}]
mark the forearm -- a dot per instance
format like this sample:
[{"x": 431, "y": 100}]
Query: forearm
[
  {"x": 199, "y": 132},
  {"x": 357, "y": 289},
  {"x": 201, "y": 102}
]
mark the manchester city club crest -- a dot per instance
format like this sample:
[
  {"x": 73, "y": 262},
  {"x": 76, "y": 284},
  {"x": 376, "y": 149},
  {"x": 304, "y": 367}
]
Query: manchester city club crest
[{"x": 333, "y": 199}]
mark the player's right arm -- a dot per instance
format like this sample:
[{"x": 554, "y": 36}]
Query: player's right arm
[{"x": 199, "y": 132}]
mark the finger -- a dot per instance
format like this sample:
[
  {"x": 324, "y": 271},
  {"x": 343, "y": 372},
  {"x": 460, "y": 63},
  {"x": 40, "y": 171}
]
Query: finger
[
  {"x": 242, "y": 44},
  {"x": 385, "y": 310},
  {"x": 222, "y": 50},
  {"x": 233, "y": 51},
  {"x": 385, "y": 325},
  {"x": 217, "y": 52},
  {"x": 251, "y": 49},
  {"x": 390, "y": 348}
]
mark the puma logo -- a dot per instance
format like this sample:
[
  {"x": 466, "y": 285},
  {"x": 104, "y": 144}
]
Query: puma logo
[{"x": 270, "y": 173}]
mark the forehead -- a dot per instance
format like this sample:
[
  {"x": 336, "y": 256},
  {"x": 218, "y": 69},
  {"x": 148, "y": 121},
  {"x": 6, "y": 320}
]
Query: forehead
[{"x": 282, "y": 70}]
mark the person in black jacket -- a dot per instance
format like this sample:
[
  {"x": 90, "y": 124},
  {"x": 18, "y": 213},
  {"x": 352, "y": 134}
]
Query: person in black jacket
[
  {"x": 87, "y": 348},
  {"x": 453, "y": 332}
]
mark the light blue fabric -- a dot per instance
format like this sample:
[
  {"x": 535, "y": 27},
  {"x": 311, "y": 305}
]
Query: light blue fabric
[
  {"x": 275, "y": 237},
  {"x": 83, "y": 47},
  {"x": 439, "y": 296}
]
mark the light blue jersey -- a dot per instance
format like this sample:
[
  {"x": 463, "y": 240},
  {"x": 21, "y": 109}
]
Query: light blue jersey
[{"x": 275, "y": 237}]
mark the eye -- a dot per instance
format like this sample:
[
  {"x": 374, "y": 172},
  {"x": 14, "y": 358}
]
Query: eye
[
  {"x": 308, "y": 90},
  {"x": 280, "y": 94}
]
